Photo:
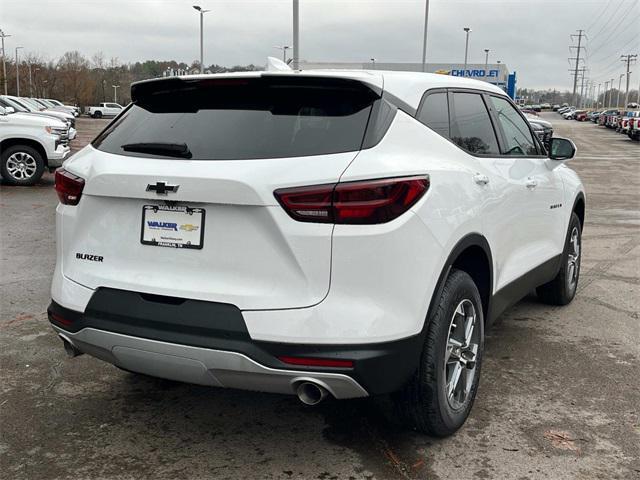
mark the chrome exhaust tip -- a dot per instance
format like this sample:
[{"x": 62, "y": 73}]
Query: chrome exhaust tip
[
  {"x": 310, "y": 393},
  {"x": 70, "y": 348}
]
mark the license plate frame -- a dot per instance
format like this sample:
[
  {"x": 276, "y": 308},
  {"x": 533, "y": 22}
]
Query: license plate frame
[{"x": 163, "y": 226}]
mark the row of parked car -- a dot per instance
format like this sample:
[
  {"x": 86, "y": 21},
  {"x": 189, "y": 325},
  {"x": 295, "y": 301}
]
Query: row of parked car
[
  {"x": 34, "y": 136},
  {"x": 542, "y": 128},
  {"x": 625, "y": 121}
]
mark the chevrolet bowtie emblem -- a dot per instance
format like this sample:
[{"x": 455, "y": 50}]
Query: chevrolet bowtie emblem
[{"x": 162, "y": 188}]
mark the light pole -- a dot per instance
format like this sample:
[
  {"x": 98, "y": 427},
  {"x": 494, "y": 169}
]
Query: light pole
[
  {"x": 284, "y": 49},
  {"x": 373, "y": 63},
  {"x": 35, "y": 78},
  {"x": 296, "y": 34},
  {"x": 202, "y": 12},
  {"x": 486, "y": 58},
  {"x": 115, "y": 93},
  {"x": 44, "y": 88},
  {"x": 4, "y": 62},
  {"x": 598, "y": 96},
  {"x": 30, "y": 82},
  {"x": 17, "y": 73},
  {"x": 466, "y": 51},
  {"x": 424, "y": 39},
  {"x": 611, "y": 93}
]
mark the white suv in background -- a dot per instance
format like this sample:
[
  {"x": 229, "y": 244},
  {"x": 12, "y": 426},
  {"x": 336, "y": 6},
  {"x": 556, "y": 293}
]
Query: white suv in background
[
  {"x": 29, "y": 144},
  {"x": 319, "y": 233}
]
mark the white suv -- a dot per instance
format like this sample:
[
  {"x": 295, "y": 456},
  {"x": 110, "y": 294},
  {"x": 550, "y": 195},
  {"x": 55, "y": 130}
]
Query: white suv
[{"x": 341, "y": 233}]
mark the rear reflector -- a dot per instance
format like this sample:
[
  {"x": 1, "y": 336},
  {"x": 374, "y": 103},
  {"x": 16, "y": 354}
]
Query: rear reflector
[
  {"x": 58, "y": 319},
  {"x": 68, "y": 187},
  {"x": 317, "y": 362},
  {"x": 362, "y": 202}
]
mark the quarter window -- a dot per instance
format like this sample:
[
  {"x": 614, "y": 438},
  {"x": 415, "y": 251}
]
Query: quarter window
[
  {"x": 434, "y": 113},
  {"x": 471, "y": 127},
  {"x": 517, "y": 134}
]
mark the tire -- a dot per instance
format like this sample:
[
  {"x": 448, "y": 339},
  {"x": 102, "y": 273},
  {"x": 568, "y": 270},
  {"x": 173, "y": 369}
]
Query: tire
[
  {"x": 97, "y": 114},
  {"x": 21, "y": 165},
  {"x": 562, "y": 289},
  {"x": 424, "y": 402}
]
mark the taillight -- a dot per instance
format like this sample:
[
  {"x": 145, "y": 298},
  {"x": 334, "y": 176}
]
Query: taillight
[
  {"x": 360, "y": 202},
  {"x": 68, "y": 187}
]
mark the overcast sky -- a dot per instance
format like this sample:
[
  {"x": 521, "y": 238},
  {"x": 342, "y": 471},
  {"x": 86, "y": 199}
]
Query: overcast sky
[{"x": 529, "y": 36}]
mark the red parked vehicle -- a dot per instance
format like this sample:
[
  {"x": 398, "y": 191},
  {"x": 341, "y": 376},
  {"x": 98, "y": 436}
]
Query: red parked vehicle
[{"x": 581, "y": 116}]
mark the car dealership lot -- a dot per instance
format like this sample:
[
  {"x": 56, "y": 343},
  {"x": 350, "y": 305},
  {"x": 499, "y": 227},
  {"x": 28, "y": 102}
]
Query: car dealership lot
[{"x": 559, "y": 395}]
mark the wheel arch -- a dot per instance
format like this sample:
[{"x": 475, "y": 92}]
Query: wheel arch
[
  {"x": 472, "y": 255},
  {"x": 11, "y": 142},
  {"x": 579, "y": 208}
]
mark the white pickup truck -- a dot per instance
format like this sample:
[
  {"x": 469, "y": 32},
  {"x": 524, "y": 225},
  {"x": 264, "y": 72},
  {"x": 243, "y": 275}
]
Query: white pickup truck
[
  {"x": 104, "y": 110},
  {"x": 29, "y": 144}
]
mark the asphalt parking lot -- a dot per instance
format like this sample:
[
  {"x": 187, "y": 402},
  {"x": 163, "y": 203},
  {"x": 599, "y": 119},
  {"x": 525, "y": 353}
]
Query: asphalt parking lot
[{"x": 559, "y": 396}]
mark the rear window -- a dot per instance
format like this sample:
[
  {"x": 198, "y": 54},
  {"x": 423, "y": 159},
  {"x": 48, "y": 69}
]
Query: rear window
[{"x": 235, "y": 119}]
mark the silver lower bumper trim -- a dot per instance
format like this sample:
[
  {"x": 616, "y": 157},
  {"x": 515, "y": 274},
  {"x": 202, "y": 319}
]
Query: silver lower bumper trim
[{"x": 202, "y": 366}]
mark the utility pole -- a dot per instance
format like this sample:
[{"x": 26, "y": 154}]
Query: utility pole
[
  {"x": 605, "y": 104},
  {"x": 598, "y": 96},
  {"x": 628, "y": 59},
  {"x": 4, "y": 62},
  {"x": 577, "y": 59},
  {"x": 619, "y": 87},
  {"x": 296, "y": 34},
  {"x": 581, "y": 99},
  {"x": 17, "y": 73},
  {"x": 424, "y": 38}
]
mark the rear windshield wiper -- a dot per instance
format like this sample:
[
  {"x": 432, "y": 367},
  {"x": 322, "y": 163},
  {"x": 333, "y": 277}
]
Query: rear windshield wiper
[{"x": 180, "y": 150}]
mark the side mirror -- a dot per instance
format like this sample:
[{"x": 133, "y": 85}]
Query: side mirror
[
  {"x": 561, "y": 149},
  {"x": 9, "y": 110}
]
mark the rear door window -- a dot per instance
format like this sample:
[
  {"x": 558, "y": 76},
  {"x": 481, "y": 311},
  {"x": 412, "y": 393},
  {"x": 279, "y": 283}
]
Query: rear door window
[
  {"x": 471, "y": 127},
  {"x": 242, "y": 118},
  {"x": 434, "y": 113}
]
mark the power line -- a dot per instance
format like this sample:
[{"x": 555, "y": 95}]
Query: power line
[
  {"x": 618, "y": 49},
  {"x": 614, "y": 30},
  {"x": 615, "y": 11},
  {"x": 598, "y": 17}
]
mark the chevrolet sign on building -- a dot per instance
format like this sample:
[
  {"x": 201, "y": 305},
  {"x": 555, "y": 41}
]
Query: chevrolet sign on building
[{"x": 495, "y": 73}]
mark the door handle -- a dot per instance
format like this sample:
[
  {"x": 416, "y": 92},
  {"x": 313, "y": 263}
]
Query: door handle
[
  {"x": 480, "y": 179},
  {"x": 531, "y": 183}
]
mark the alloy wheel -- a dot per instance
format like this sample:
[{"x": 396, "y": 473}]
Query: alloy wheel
[
  {"x": 573, "y": 259},
  {"x": 461, "y": 354},
  {"x": 21, "y": 166}
]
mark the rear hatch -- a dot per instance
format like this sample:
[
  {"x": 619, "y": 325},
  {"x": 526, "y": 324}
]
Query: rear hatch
[{"x": 178, "y": 197}]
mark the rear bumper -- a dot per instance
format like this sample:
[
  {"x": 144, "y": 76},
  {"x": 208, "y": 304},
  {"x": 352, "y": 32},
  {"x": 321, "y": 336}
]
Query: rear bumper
[
  {"x": 208, "y": 343},
  {"x": 216, "y": 368}
]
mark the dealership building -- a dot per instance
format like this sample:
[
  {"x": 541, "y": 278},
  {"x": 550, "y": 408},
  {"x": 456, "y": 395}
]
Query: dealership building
[{"x": 494, "y": 73}]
